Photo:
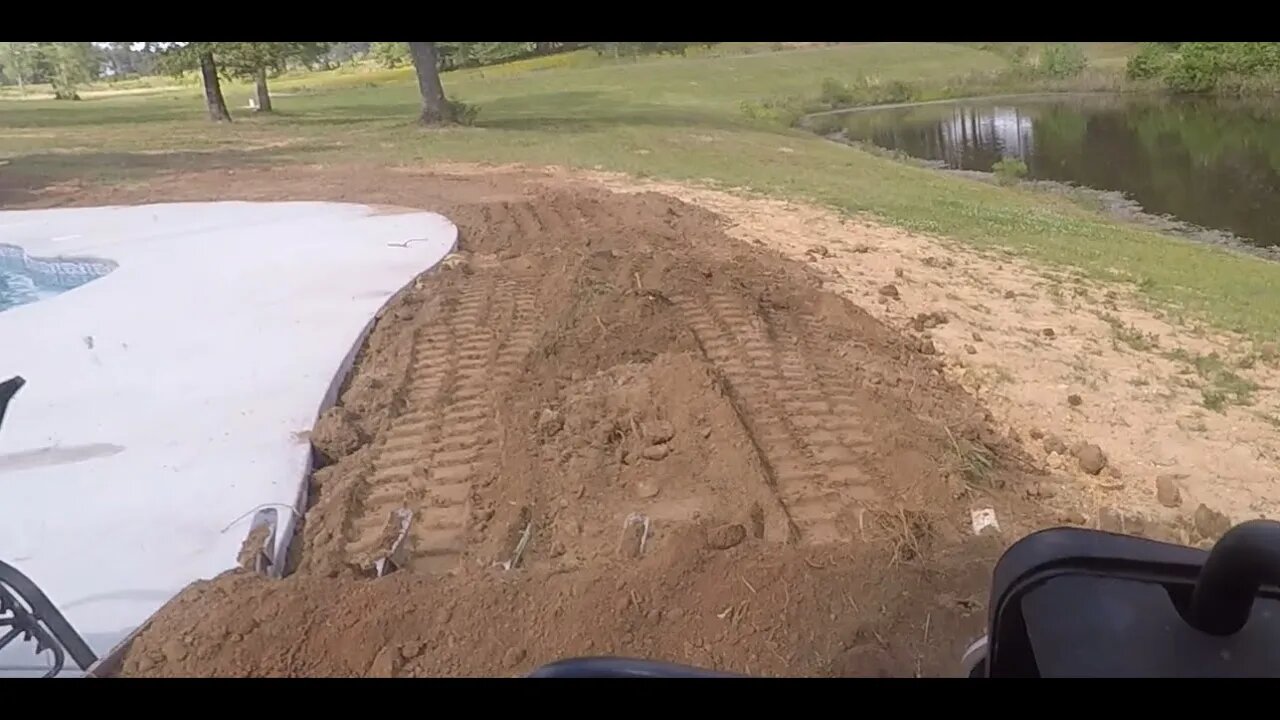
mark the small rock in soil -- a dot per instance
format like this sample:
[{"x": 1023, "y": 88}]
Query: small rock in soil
[
  {"x": 656, "y": 452},
  {"x": 820, "y": 251},
  {"x": 1054, "y": 444},
  {"x": 726, "y": 536},
  {"x": 646, "y": 489},
  {"x": 1072, "y": 517},
  {"x": 1009, "y": 294},
  {"x": 971, "y": 349},
  {"x": 1075, "y": 400},
  {"x": 1167, "y": 492},
  {"x": 1209, "y": 523},
  {"x": 659, "y": 432},
  {"x": 386, "y": 664},
  {"x": 513, "y": 657},
  {"x": 1092, "y": 459},
  {"x": 862, "y": 248},
  {"x": 1114, "y": 473},
  {"x": 1036, "y": 433},
  {"x": 977, "y": 336},
  {"x": 899, "y": 272},
  {"x": 889, "y": 291},
  {"x": 1047, "y": 332},
  {"x": 927, "y": 347}
]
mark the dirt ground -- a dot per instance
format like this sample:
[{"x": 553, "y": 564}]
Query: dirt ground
[{"x": 671, "y": 422}]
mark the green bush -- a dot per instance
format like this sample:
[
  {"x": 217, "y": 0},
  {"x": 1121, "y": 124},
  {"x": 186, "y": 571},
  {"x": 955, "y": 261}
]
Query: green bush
[
  {"x": 1009, "y": 170},
  {"x": 1151, "y": 61},
  {"x": 1196, "y": 69},
  {"x": 1062, "y": 60},
  {"x": 784, "y": 111},
  {"x": 835, "y": 93}
]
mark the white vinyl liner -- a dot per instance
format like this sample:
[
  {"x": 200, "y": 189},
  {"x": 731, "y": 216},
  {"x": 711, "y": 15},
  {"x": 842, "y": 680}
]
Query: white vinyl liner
[{"x": 169, "y": 398}]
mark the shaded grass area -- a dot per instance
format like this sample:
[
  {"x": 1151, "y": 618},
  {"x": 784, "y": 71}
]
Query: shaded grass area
[{"x": 674, "y": 118}]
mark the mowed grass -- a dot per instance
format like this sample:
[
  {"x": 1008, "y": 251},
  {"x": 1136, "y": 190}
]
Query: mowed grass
[{"x": 673, "y": 118}]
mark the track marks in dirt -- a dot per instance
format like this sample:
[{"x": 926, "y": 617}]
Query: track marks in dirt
[
  {"x": 803, "y": 421},
  {"x": 434, "y": 453}
]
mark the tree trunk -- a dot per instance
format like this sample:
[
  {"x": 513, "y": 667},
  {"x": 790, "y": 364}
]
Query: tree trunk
[
  {"x": 426, "y": 61},
  {"x": 264, "y": 97},
  {"x": 212, "y": 89}
]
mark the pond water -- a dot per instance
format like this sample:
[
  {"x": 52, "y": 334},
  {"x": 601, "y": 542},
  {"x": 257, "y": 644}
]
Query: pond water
[
  {"x": 1211, "y": 163},
  {"x": 27, "y": 279}
]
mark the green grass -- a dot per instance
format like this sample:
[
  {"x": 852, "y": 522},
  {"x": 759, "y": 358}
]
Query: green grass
[{"x": 673, "y": 118}]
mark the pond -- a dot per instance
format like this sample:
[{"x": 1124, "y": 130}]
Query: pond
[{"x": 1211, "y": 163}]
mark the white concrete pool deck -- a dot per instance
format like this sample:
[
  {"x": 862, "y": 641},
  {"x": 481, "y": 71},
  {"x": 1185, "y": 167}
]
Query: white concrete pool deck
[{"x": 169, "y": 399}]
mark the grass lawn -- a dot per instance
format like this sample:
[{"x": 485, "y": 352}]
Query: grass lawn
[{"x": 676, "y": 118}]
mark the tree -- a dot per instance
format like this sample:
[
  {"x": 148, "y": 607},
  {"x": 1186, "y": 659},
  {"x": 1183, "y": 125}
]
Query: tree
[
  {"x": 73, "y": 65},
  {"x": 18, "y": 60},
  {"x": 177, "y": 58},
  {"x": 390, "y": 54},
  {"x": 436, "y": 110},
  {"x": 255, "y": 59}
]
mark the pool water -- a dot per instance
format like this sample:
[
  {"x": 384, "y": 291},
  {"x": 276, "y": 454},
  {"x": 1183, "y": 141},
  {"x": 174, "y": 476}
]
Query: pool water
[{"x": 26, "y": 279}]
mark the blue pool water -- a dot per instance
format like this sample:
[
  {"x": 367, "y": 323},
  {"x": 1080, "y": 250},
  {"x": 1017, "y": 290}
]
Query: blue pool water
[{"x": 27, "y": 279}]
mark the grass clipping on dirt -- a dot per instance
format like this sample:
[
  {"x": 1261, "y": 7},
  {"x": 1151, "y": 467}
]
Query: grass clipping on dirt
[{"x": 619, "y": 431}]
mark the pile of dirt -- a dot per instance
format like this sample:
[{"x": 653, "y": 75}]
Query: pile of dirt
[{"x": 606, "y": 427}]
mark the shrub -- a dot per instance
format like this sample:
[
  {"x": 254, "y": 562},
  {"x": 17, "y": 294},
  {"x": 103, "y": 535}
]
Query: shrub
[
  {"x": 1196, "y": 68},
  {"x": 1062, "y": 60},
  {"x": 1151, "y": 61},
  {"x": 462, "y": 113},
  {"x": 835, "y": 93},
  {"x": 1009, "y": 170}
]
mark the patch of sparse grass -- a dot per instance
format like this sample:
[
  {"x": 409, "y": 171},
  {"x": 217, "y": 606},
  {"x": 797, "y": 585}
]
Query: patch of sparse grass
[
  {"x": 1222, "y": 387},
  {"x": 974, "y": 461},
  {"x": 1127, "y": 334}
]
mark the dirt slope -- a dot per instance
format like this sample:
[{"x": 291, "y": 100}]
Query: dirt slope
[{"x": 680, "y": 445}]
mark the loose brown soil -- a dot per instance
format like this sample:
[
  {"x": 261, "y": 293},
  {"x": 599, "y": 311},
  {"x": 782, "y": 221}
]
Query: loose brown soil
[
  {"x": 612, "y": 428},
  {"x": 593, "y": 360}
]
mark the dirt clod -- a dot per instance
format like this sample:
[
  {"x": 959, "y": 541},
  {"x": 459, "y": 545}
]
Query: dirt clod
[
  {"x": 819, "y": 250},
  {"x": 1110, "y": 520},
  {"x": 1054, "y": 444},
  {"x": 549, "y": 422},
  {"x": 513, "y": 657},
  {"x": 659, "y": 432},
  {"x": 336, "y": 435},
  {"x": 1092, "y": 459},
  {"x": 1075, "y": 400},
  {"x": 656, "y": 452},
  {"x": 724, "y": 537},
  {"x": 1209, "y": 524},
  {"x": 1048, "y": 332},
  {"x": 977, "y": 336},
  {"x": 1036, "y": 433},
  {"x": 890, "y": 291},
  {"x": 1167, "y": 492},
  {"x": 970, "y": 349}
]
